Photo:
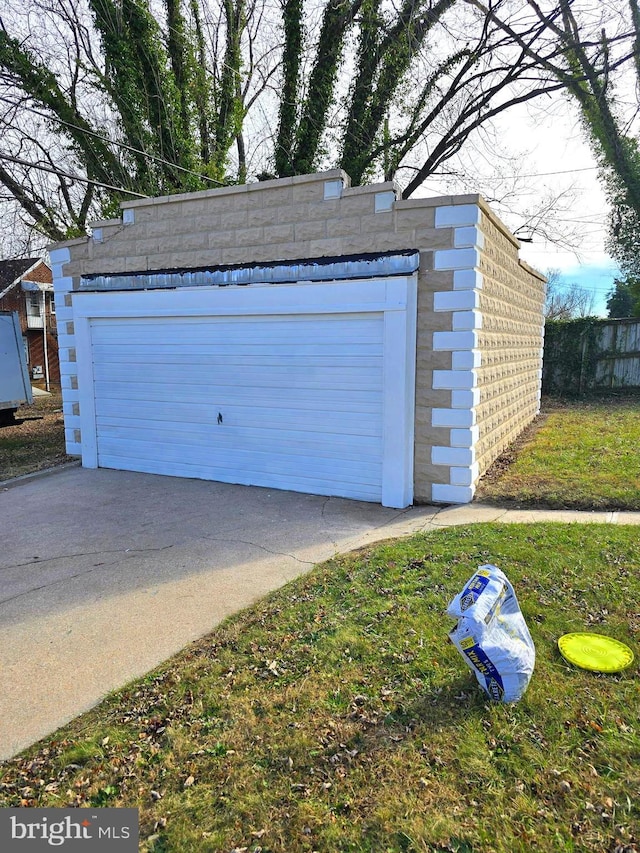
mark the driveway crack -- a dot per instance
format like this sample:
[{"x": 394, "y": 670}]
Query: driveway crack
[
  {"x": 38, "y": 561},
  {"x": 261, "y": 547}
]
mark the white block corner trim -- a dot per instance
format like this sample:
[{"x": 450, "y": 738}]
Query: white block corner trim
[
  {"x": 467, "y": 280},
  {"x": 465, "y": 476},
  {"x": 449, "y": 341},
  {"x": 469, "y": 236},
  {"x": 442, "y": 493},
  {"x": 466, "y": 359},
  {"x": 458, "y": 457},
  {"x": 453, "y": 418},
  {"x": 449, "y": 380},
  {"x": 465, "y": 398},
  {"x": 462, "y": 320},
  {"x": 457, "y": 214},
  {"x": 465, "y": 437},
  {"x": 456, "y": 259},
  {"x": 58, "y": 258},
  {"x": 455, "y": 300},
  {"x": 332, "y": 189},
  {"x": 384, "y": 201}
]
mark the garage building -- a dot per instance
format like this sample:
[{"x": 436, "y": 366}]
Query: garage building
[{"x": 300, "y": 334}]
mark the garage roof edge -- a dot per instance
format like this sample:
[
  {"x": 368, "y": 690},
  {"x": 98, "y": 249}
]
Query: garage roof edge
[{"x": 369, "y": 265}]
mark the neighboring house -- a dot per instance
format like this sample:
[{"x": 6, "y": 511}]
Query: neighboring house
[
  {"x": 26, "y": 286},
  {"x": 301, "y": 334}
]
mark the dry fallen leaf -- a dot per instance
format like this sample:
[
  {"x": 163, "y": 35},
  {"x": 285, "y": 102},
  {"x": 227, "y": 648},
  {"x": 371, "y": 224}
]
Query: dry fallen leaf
[{"x": 188, "y": 782}]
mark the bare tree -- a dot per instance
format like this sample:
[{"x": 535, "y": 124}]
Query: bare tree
[
  {"x": 107, "y": 99},
  {"x": 585, "y": 46},
  {"x": 565, "y": 301}
]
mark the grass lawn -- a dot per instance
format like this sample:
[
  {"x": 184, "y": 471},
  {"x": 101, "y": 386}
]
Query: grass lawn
[
  {"x": 35, "y": 441},
  {"x": 335, "y": 716},
  {"x": 579, "y": 454}
]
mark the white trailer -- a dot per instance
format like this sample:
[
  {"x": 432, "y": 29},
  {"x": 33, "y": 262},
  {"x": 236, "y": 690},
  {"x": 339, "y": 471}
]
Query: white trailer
[{"x": 15, "y": 387}]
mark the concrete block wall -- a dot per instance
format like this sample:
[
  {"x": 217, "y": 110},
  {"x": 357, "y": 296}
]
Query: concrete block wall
[
  {"x": 511, "y": 302},
  {"x": 496, "y": 338},
  {"x": 311, "y": 216}
]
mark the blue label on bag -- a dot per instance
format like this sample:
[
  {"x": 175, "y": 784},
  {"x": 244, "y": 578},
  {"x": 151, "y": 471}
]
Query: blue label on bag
[
  {"x": 473, "y": 590},
  {"x": 485, "y": 667}
]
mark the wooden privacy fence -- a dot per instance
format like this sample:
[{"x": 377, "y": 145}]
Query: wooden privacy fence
[{"x": 590, "y": 354}]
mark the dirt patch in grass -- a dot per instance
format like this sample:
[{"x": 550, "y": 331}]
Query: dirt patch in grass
[{"x": 36, "y": 440}]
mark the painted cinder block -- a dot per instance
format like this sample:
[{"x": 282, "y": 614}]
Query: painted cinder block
[
  {"x": 457, "y": 215},
  {"x": 463, "y": 320},
  {"x": 466, "y": 340},
  {"x": 457, "y": 300},
  {"x": 453, "y": 456},
  {"x": 466, "y": 359},
  {"x": 465, "y": 437},
  {"x": 464, "y": 476},
  {"x": 447, "y": 494},
  {"x": 454, "y": 259},
  {"x": 465, "y": 399},
  {"x": 384, "y": 201},
  {"x": 459, "y": 418},
  {"x": 454, "y": 379},
  {"x": 467, "y": 280},
  {"x": 470, "y": 236}
]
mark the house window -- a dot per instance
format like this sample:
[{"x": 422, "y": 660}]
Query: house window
[
  {"x": 52, "y": 304},
  {"x": 33, "y": 305}
]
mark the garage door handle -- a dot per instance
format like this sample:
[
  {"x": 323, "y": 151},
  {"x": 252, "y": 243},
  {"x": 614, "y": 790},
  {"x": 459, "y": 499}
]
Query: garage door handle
[{"x": 219, "y": 417}]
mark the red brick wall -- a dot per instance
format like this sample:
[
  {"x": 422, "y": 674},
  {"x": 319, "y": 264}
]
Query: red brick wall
[
  {"x": 36, "y": 354},
  {"x": 16, "y": 300},
  {"x": 41, "y": 274}
]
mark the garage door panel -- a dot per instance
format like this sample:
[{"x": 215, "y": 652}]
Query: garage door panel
[
  {"x": 236, "y": 330},
  {"x": 279, "y": 438},
  {"x": 317, "y": 399},
  {"x": 301, "y": 403},
  {"x": 296, "y": 482},
  {"x": 166, "y": 352},
  {"x": 293, "y": 376},
  {"x": 349, "y": 423},
  {"x": 230, "y": 459},
  {"x": 278, "y": 398}
]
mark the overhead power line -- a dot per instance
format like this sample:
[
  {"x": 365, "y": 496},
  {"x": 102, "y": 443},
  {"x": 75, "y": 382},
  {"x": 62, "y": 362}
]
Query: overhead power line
[
  {"x": 41, "y": 167},
  {"x": 124, "y": 145}
]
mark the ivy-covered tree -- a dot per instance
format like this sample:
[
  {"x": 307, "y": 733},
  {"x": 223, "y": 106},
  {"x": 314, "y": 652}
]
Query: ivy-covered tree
[
  {"x": 102, "y": 100},
  {"x": 119, "y": 104},
  {"x": 585, "y": 45}
]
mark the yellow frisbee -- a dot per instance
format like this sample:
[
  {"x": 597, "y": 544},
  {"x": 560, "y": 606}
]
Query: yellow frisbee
[{"x": 595, "y": 652}]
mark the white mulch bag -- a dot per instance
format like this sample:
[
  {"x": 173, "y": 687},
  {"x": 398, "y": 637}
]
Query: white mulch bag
[{"x": 492, "y": 636}]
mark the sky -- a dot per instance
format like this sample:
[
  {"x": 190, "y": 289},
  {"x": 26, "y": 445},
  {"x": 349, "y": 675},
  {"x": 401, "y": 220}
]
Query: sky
[
  {"x": 553, "y": 157},
  {"x": 559, "y": 145}
]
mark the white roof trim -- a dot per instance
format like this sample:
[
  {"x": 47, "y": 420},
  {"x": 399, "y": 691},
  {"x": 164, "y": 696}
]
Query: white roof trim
[{"x": 21, "y": 276}]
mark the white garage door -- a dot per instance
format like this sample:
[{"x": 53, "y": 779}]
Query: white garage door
[
  {"x": 289, "y": 402},
  {"x": 296, "y": 387}
]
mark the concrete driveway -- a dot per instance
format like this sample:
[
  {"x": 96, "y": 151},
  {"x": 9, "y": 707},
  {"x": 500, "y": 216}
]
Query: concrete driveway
[{"x": 105, "y": 574}]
